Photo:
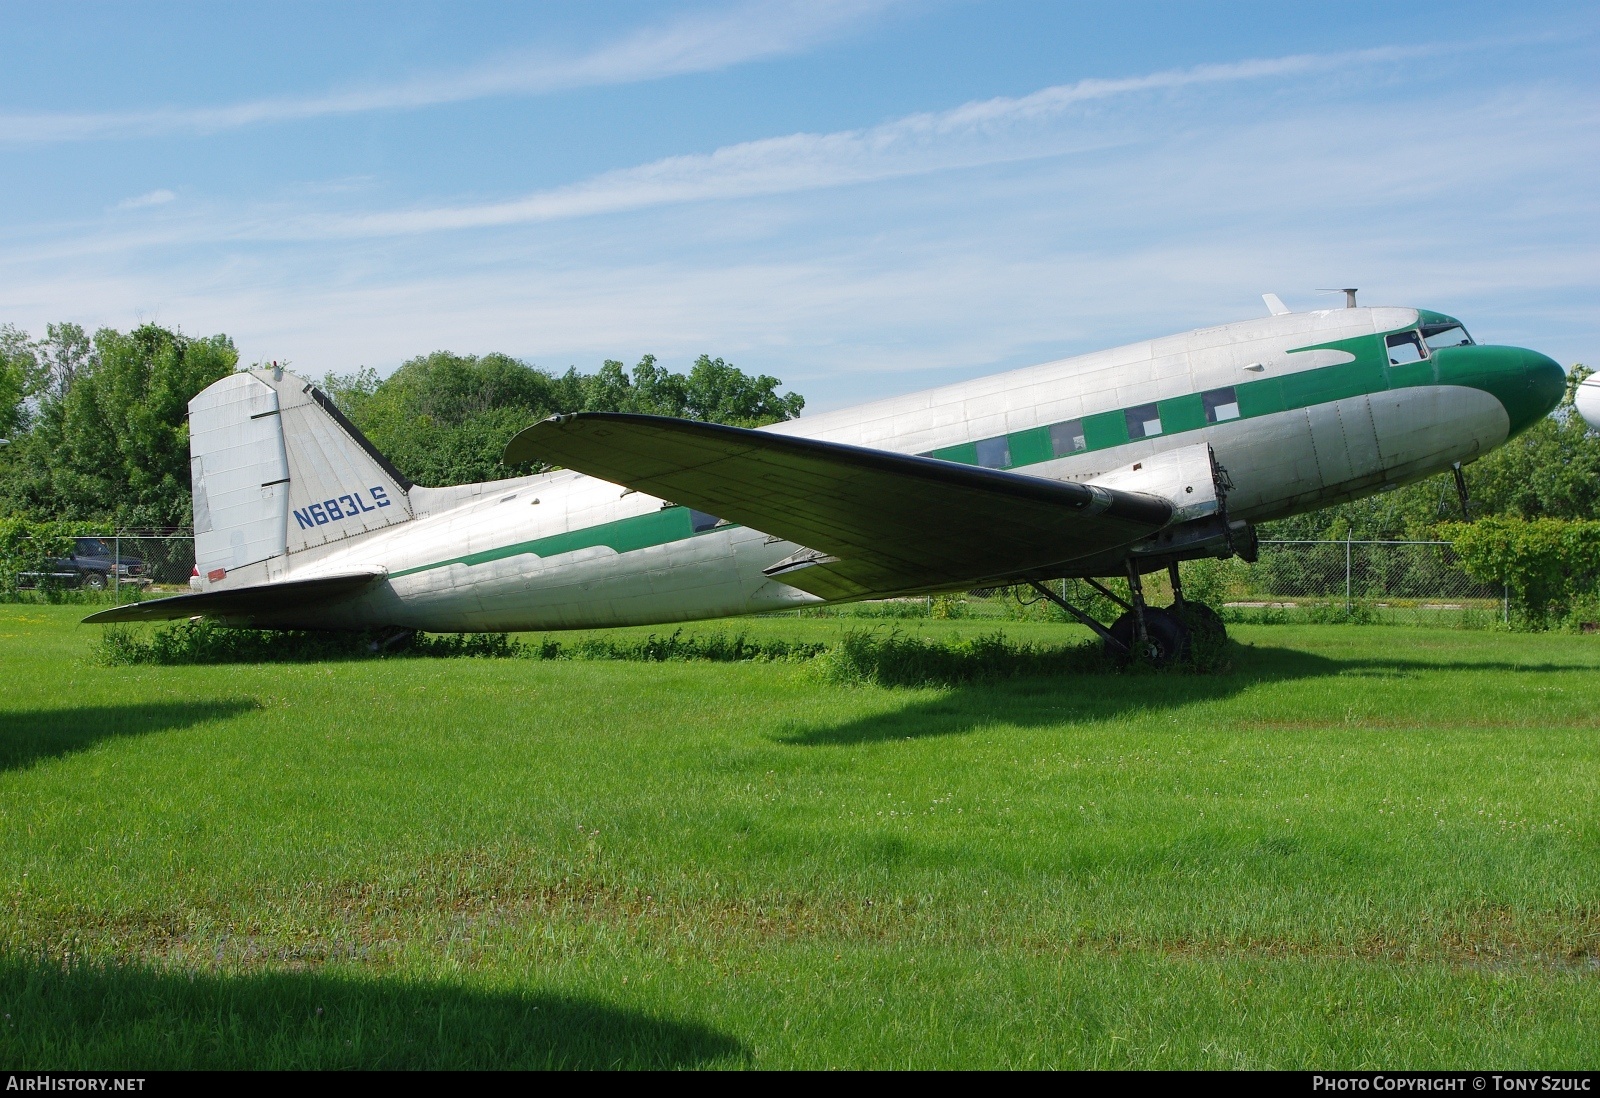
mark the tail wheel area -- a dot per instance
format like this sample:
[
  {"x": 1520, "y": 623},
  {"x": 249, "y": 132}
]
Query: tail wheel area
[{"x": 1167, "y": 637}]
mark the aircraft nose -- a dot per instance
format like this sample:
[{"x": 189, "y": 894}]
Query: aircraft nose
[
  {"x": 1545, "y": 383},
  {"x": 1528, "y": 384}
]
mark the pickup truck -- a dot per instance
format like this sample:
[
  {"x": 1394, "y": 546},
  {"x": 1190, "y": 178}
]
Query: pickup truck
[{"x": 90, "y": 565}]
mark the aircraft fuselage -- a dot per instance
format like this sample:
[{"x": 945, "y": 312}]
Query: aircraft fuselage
[{"x": 1302, "y": 410}]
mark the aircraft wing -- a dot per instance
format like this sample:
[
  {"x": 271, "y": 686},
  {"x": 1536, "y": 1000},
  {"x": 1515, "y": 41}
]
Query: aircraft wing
[
  {"x": 262, "y": 598},
  {"x": 873, "y": 522}
]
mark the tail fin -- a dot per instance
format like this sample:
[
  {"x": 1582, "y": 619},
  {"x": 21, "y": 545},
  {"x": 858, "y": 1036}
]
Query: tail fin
[{"x": 277, "y": 470}]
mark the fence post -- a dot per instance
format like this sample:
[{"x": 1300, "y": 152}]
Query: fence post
[
  {"x": 116, "y": 568},
  {"x": 1505, "y": 605},
  {"x": 1348, "y": 605}
]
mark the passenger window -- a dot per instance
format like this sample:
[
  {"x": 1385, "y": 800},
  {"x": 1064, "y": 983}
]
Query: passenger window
[
  {"x": 1143, "y": 421},
  {"x": 994, "y": 453},
  {"x": 1453, "y": 336},
  {"x": 1405, "y": 347},
  {"x": 1221, "y": 405},
  {"x": 1067, "y": 438}
]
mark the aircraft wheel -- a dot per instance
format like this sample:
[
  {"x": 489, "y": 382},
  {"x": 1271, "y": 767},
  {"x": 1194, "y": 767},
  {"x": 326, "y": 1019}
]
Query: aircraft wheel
[
  {"x": 1168, "y": 636},
  {"x": 1204, "y": 622}
]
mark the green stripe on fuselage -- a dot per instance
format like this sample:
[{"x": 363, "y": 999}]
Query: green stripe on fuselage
[
  {"x": 1368, "y": 372},
  {"x": 623, "y": 535}
]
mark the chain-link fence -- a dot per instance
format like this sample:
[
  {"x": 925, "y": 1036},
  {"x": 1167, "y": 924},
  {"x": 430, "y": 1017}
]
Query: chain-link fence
[
  {"x": 1411, "y": 582},
  {"x": 114, "y": 567}
]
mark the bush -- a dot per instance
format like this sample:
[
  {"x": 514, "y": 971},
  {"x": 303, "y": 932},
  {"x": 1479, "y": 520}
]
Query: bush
[
  {"x": 29, "y": 547},
  {"x": 878, "y": 658},
  {"x": 1550, "y": 565},
  {"x": 203, "y": 642}
]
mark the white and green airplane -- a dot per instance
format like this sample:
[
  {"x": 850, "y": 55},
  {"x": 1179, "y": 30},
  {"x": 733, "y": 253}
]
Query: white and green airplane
[{"x": 1117, "y": 463}]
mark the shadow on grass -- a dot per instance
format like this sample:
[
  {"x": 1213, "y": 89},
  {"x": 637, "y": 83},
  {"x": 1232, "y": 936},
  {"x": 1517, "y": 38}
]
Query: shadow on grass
[
  {"x": 961, "y": 707},
  {"x": 131, "y": 1017},
  {"x": 29, "y": 735}
]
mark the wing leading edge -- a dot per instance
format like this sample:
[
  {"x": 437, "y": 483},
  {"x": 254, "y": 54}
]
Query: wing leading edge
[{"x": 874, "y": 523}]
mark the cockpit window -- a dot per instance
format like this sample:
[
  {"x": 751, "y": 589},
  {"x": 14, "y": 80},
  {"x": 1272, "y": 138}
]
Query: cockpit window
[
  {"x": 1452, "y": 335},
  {"x": 1406, "y": 347}
]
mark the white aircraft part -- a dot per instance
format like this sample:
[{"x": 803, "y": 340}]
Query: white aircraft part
[
  {"x": 1275, "y": 305},
  {"x": 1587, "y": 400},
  {"x": 1344, "y": 440},
  {"x": 239, "y": 474},
  {"x": 1182, "y": 476},
  {"x": 336, "y": 489},
  {"x": 524, "y": 553}
]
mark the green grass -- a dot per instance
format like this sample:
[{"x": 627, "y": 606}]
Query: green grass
[{"x": 1363, "y": 846}]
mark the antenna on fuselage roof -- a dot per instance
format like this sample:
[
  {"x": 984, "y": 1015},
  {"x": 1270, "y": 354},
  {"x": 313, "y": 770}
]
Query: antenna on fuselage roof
[
  {"x": 1349, "y": 293},
  {"x": 1275, "y": 305}
]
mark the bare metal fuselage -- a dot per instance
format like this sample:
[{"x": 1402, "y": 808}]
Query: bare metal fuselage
[{"x": 563, "y": 550}]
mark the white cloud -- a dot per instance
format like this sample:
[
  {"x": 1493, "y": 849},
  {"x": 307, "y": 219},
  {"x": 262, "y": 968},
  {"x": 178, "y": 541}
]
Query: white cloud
[
  {"x": 153, "y": 198},
  {"x": 1170, "y": 218},
  {"x": 976, "y": 133},
  {"x": 702, "y": 43}
]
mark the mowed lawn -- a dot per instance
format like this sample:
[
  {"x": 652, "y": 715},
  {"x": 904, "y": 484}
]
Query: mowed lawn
[{"x": 1362, "y": 847}]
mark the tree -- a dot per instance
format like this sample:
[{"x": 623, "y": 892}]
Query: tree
[
  {"x": 445, "y": 418},
  {"x": 109, "y": 443},
  {"x": 18, "y": 367}
]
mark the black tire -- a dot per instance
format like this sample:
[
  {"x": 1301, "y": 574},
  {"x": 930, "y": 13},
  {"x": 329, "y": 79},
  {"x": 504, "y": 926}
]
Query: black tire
[
  {"x": 1202, "y": 620},
  {"x": 1168, "y": 638},
  {"x": 96, "y": 581}
]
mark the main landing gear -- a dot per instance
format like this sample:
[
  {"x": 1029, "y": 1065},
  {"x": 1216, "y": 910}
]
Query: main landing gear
[{"x": 1160, "y": 636}]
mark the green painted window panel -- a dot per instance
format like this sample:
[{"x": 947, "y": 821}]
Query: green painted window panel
[
  {"x": 1031, "y": 447},
  {"x": 1185, "y": 413},
  {"x": 966, "y": 453},
  {"x": 1260, "y": 398},
  {"x": 1105, "y": 429}
]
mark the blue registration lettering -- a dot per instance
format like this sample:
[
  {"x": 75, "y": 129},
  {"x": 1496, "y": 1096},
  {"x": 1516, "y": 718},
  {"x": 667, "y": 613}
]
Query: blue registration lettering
[
  {"x": 380, "y": 497},
  {"x": 304, "y": 520},
  {"x": 319, "y": 514},
  {"x": 333, "y": 508},
  {"x": 350, "y": 510},
  {"x": 363, "y": 503}
]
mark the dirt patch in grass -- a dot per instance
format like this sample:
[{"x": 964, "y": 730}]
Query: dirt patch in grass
[{"x": 474, "y": 899}]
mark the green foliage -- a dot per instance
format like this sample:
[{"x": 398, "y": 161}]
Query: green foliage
[
  {"x": 1548, "y": 563},
  {"x": 18, "y": 367},
  {"x": 891, "y": 658},
  {"x": 109, "y": 442},
  {"x": 29, "y": 547},
  {"x": 206, "y": 642},
  {"x": 445, "y": 418},
  {"x": 98, "y": 428}
]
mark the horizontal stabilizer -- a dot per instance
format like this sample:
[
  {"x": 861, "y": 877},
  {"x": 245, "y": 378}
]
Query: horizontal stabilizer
[
  {"x": 265, "y": 598},
  {"x": 877, "y": 522}
]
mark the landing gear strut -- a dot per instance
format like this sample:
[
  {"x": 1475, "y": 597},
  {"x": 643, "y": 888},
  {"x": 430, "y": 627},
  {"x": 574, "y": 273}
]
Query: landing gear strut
[{"x": 1159, "y": 636}]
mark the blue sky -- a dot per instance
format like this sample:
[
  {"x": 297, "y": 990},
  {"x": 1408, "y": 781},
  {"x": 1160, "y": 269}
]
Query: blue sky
[{"x": 861, "y": 199}]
